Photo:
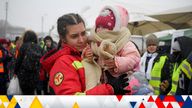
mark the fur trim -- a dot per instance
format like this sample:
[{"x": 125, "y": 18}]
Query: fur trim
[
  {"x": 117, "y": 17},
  {"x": 121, "y": 16}
]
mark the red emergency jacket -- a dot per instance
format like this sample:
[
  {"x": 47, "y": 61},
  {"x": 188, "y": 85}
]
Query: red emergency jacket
[{"x": 67, "y": 75}]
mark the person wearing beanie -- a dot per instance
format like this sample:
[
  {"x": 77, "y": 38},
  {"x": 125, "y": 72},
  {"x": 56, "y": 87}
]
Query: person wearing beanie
[
  {"x": 110, "y": 43},
  {"x": 156, "y": 65},
  {"x": 152, "y": 40}
]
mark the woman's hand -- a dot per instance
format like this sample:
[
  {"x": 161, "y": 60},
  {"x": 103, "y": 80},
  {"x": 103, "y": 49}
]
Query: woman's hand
[{"x": 164, "y": 85}]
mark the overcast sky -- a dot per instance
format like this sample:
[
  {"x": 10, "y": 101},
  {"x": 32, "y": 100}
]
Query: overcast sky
[{"x": 28, "y": 13}]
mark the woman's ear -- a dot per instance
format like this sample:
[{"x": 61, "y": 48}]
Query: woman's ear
[{"x": 63, "y": 40}]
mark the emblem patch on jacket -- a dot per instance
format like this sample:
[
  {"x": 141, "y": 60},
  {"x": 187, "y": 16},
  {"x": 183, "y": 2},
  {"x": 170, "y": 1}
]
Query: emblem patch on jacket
[{"x": 58, "y": 78}]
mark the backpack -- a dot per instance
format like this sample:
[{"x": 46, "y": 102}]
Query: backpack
[{"x": 30, "y": 66}]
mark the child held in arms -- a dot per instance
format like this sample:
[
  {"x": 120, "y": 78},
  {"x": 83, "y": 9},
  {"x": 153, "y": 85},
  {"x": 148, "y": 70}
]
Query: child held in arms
[{"x": 110, "y": 52}]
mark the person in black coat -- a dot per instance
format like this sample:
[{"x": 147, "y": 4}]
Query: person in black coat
[
  {"x": 49, "y": 44},
  {"x": 181, "y": 51},
  {"x": 28, "y": 64}
]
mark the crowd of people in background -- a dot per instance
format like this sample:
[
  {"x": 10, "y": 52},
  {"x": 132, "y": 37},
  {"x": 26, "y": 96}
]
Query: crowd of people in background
[
  {"x": 105, "y": 63},
  {"x": 14, "y": 62}
]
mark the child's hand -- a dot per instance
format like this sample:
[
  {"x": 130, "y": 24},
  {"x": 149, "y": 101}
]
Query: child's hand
[
  {"x": 110, "y": 63},
  {"x": 88, "y": 53}
]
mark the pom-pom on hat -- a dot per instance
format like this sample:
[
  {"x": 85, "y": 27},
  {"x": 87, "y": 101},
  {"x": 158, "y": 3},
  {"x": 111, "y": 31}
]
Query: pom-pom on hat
[{"x": 112, "y": 18}]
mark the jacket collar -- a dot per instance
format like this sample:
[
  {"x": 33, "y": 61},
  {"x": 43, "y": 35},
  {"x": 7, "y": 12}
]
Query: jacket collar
[{"x": 49, "y": 58}]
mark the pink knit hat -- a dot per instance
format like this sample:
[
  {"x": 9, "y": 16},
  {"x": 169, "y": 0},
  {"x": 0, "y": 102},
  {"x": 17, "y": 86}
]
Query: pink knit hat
[{"x": 113, "y": 18}]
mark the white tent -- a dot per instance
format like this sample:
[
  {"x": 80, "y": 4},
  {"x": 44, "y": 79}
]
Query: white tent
[
  {"x": 137, "y": 8},
  {"x": 91, "y": 12}
]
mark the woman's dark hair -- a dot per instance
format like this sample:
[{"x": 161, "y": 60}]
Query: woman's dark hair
[
  {"x": 30, "y": 36},
  {"x": 16, "y": 38},
  {"x": 67, "y": 20},
  {"x": 48, "y": 38}
]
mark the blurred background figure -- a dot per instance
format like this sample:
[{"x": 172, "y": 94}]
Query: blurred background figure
[
  {"x": 14, "y": 50},
  {"x": 5, "y": 58},
  {"x": 49, "y": 44},
  {"x": 27, "y": 65},
  {"x": 18, "y": 45}
]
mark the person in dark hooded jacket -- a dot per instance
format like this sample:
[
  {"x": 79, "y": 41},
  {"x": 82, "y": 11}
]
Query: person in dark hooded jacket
[
  {"x": 49, "y": 44},
  {"x": 28, "y": 64},
  {"x": 182, "y": 72}
]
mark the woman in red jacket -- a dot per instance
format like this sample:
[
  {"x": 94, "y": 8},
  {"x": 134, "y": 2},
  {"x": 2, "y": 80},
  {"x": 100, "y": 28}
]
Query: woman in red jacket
[{"x": 67, "y": 76}]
